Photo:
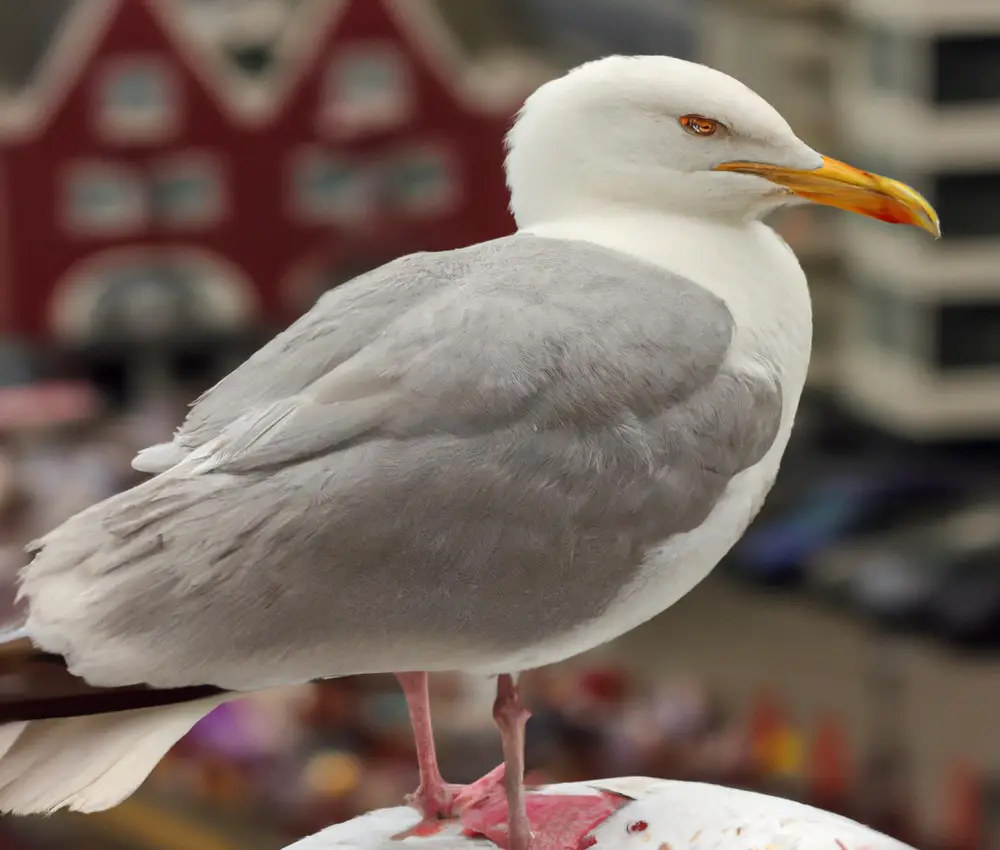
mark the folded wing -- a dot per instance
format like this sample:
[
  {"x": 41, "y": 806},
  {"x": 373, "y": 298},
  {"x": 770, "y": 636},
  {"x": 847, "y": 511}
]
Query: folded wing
[{"x": 484, "y": 473}]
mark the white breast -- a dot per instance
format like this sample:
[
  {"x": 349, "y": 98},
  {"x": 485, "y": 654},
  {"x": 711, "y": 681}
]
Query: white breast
[{"x": 761, "y": 281}]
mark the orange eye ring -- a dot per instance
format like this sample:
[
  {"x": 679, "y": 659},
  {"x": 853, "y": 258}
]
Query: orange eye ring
[{"x": 699, "y": 125}]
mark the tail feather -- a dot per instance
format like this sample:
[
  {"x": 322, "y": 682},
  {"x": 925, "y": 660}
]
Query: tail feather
[
  {"x": 90, "y": 763},
  {"x": 9, "y": 733},
  {"x": 67, "y": 744}
]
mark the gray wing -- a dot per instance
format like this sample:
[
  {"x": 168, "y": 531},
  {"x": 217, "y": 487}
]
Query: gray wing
[
  {"x": 340, "y": 324},
  {"x": 484, "y": 475}
]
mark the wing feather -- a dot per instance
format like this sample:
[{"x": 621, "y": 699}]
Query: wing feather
[
  {"x": 341, "y": 323},
  {"x": 483, "y": 473}
]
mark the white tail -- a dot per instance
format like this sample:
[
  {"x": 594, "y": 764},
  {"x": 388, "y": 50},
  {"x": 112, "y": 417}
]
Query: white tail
[{"x": 88, "y": 763}]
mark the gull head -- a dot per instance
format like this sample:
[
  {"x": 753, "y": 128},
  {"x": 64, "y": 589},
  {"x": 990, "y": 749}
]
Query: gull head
[{"x": 654, "y": 133}]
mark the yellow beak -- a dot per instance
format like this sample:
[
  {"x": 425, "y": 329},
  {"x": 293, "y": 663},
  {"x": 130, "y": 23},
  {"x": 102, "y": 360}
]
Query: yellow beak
[{"x": 837, "y": 184}]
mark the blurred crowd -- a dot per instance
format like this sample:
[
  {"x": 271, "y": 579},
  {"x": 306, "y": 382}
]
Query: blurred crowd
[{"x": 320, "y": 754}]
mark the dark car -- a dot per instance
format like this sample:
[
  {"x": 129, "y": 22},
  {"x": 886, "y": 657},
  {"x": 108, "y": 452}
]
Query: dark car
[
  {"x": 838, "y": 506},
  {"x": 966, "y": 608},
  {"x": 922, "y": 574}
]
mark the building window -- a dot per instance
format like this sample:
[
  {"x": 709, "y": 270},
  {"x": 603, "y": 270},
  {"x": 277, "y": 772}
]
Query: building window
[
  {"x": 137, "y": 100},
  {"x": 826, "y": 276},
  {"x": 188, "y": 191},
  {"x": 326, "y": 188},
  {"x": 880, "y": 318},
  {"x": 966, "y": 69},
  {"x": 366, "y": 89},
  {"x": 968, "y": 203},
  {"x": 885, "y": 52},
  {"x": 422, "y": 181},
  {"x": 892, "y": 322},
  {"x": 145, "y": 293},
  {"x": 895, "y": 60},
  {"x": 147, "y": 303},
  {"x": 968, "y": 335},
  {"x": 104, "y": 199}
]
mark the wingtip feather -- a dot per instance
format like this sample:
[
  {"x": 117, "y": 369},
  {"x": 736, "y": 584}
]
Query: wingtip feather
[{"x": 158, "y": 458}]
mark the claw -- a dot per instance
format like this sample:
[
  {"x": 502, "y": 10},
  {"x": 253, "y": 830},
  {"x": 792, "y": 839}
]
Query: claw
[
  {"x": 558, "y": 821},
  {"x": 460, "y": 798}
]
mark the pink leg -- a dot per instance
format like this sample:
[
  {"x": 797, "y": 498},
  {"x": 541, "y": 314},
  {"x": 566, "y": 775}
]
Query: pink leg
[
  {"x": 486, "y": 807},
  {"x": 433, "y": 796},
  {"x": 511, "y": 717}
]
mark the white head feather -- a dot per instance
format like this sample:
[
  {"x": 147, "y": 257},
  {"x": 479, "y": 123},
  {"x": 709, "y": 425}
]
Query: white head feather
[{"x": 608, "y": 134}]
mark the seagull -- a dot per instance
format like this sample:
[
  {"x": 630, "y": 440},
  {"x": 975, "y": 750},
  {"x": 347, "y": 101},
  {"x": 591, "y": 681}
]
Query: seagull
[{"x": 485, "y": 460}]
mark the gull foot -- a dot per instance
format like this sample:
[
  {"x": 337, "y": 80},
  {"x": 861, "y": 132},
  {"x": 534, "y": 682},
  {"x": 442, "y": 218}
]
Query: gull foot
[
  {"x": 557, "y": 821},
  {"x": 447, "y": 802}
]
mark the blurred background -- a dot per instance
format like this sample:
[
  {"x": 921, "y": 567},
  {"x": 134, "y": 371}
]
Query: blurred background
[{"x": 179, "y": 179}]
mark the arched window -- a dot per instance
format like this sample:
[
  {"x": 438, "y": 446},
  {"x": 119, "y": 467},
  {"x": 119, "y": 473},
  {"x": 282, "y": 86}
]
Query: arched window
[
  {"x": 139, "y": 296},
  {"x": 103, "y": 198},
  {"x": 329, "y": 189},
  {"x": 367, "y": 89},
  {"x": 137, "y": 100}
]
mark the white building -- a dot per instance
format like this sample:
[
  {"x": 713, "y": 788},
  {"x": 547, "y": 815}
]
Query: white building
[{"x": 918, "y": 97}]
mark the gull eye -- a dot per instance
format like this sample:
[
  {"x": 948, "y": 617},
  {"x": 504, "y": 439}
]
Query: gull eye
[{"x": 699, "y": 125}]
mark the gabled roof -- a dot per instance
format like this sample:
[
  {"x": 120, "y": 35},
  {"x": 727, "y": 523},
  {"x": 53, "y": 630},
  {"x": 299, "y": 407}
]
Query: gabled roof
[
  {"x": 487, "y": 82},
  {"x": 491, "y": 79},
  {"x": 25, "y": 32},
  {"x": 253, "y": 100},
  {"x": 24, "y": 111}
]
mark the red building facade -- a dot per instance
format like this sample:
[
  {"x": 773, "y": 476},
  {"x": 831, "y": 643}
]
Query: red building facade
[{"x": 148, "y": 187}]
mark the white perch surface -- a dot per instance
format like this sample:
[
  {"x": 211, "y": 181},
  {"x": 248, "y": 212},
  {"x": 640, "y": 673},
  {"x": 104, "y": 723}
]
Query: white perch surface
[{"x": 680, "y": 816}]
